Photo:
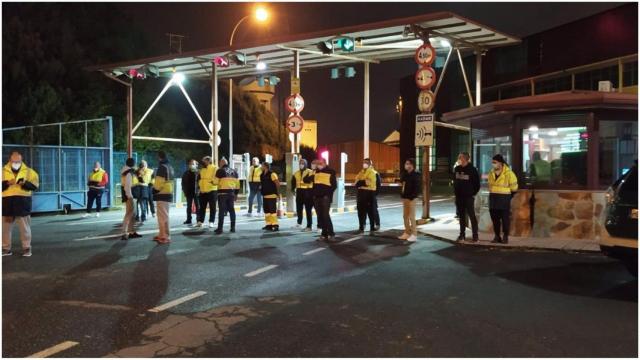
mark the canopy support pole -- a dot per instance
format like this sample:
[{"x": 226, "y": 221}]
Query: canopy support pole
[{"x": 366, "y": 110}]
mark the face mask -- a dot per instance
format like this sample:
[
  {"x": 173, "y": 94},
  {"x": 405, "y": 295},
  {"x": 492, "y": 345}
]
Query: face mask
[
  {"x": 365, "y": 166},
  {"x": 96, "y": 168},
  {"x": 408, "y": 167},
  {"x": 194, "y": 167},
  {"x": 313, "y": 166},
  {"x": 16, "y": 165},
  {"x": 496, "y": 166},
  {"x": 320, "y": 167},
  {"x": 301, "y": 166}
]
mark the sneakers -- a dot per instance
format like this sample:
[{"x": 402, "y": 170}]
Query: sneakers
[
  {"x": 248, "y": 214},
  {"x": 476, "y": 238},
  {"x": 404, "y": 236},
  {"x": 360, "y": 231},
  {"x": 505, "y": 240},
  {"x": 188, "y": 222},
  {"x": 412, "y": 238},
  {"x": 275, "y": 228},
  {"x": 218, "y": 231},
  {"x": 86, "y": 215},
  {"x": 307, "y": 229},
  {"x": 134, "y": 235},
  {"x": 210, "y": 225},
  {"x": 298, "y": 226},
  {"x": 6, "y": 252},
  {"x": 268, "y": 227},
  {"x": 496, "y": 240},
  {"x": 460, "y": 237},
  {"x": 26, "y": 252},
  {"x": 232, "y": 230},
  {"x": 376, "y": 228},
  {"x": 199, "y": 224},
  {"x": 258, "y": 215},
  {"x": 332, "y": 239},
  {"x": 97, "y": 215}
]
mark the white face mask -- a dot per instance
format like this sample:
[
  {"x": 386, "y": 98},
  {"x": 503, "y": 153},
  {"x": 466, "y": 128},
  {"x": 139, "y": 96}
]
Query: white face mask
[
  {"x": 302, "y": 166},
  {"x": 496, "y": 166},
  {"x": 313, "y": 166},
  {"x": 365, "y": 166},
  {"x": 16, "y": 165},
  {"x": 320, "y": 167},
  {"x": 194, "y": 166}
]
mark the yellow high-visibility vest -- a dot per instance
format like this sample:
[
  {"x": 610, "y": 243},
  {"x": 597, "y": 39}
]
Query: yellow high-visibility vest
[
  {"x": 299, "y": 176},
  {"x": 207, "y": 176},
  {"x": 322, "y": 178},
  {"x": 505, "y": 183},
  {"x": 369, "y": 177},
  {"x": 254, "y": 173},
  {"x": 96, "y": 175},
  {"x": 25, "y": 173}
]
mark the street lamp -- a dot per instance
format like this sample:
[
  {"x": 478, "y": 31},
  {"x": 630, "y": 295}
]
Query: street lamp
[{"x": 261, "y": 15}]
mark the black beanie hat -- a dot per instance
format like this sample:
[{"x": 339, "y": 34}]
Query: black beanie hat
[{"x": 499, "y": 158}]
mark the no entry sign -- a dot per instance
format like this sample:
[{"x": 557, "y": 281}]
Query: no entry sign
[{"x": 294, "y": 103}]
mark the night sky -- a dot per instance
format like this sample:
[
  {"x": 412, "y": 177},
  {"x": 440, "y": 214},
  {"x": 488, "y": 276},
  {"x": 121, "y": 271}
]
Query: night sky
[{"x": 337, "y": 104}]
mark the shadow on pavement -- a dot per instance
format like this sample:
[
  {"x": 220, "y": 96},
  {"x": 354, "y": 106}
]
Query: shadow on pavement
[
  {"x": 368, "y": 250},
  {"x": 101, "y": 260}
]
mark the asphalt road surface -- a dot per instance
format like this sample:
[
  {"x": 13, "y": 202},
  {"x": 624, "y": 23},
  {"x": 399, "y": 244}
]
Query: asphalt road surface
[{"x": 84, "y": 293}]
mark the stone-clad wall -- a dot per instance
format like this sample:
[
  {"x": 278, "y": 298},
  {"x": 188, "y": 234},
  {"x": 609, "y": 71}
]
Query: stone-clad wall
[{"x": 558, "y": 213}]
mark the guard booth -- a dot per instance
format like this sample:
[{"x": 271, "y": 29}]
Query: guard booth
[{"x": 63, "y": 155}]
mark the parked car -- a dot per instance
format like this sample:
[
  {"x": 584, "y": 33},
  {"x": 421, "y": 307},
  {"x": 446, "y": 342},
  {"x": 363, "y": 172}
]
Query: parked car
[{"x": 620, "y": 238}]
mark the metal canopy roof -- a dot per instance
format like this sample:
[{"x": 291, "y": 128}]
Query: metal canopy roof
[{"x": 375, "y": 42}]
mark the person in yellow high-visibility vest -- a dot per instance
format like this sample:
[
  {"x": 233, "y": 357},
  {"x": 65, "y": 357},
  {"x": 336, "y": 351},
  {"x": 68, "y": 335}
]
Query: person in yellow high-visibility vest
[
  {"x": 366, "y": 185},
  {"x": 143, "y": 195},
  {"x": 269, "y": 186},
  {"x": 503, "y": 185},
  {"x": 208, "y": 191},
  {"x": 228, "y": 187},
  {"x": 304, "y": 197},
  {"x": 253, "y": 177},
  {"x": 163, "y": 196},
  {"x": 98, "y": 179},
  {"x": 18, "y": 184}
]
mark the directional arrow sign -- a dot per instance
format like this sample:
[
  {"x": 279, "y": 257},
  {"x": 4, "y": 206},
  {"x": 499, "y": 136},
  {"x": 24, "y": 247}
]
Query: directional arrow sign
[{"x": 295, "y": 123}]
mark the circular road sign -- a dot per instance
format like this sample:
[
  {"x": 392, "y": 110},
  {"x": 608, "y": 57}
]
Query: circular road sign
[
  {"x": 295, "y": 123},
  {"x": 294, "y": 103},
  {"x": 425, "y": 78},
  {"x": 425, "y": 55},
  {"x": 426, "y": 100}
]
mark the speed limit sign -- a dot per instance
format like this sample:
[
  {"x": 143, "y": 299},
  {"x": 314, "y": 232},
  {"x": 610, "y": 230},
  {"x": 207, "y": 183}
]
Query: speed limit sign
[
  {"x": 294, "y": 103},
  {"x": 295, "y": 123},
  {"x": 426, "y": 100},
  {"x": 425, "y": 78},
  {"x": 425, "y": 55}
]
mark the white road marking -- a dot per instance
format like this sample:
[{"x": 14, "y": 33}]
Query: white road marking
[
  {"x": 89, "y": 222},
  {"x": 143, "y": 232},
  {"x": 260, "y": 271},
  {"x": 177, "y": 302},
  {"x": 351, "y": 239},
  {"x": 54, "y": 349},
  {"x": 313, "y": 251}
]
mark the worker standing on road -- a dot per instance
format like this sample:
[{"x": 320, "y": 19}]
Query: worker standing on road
[
  {"x": 304, "y": 196},
  {"x": 324, "y": 184},
  {"x": 374, "y": 201},
  {"x": 411, "y": 185},
  {"x": 98, "y": 180},
  {"x": 144, "y": 175},
  {"x": 18, "y": 183},
  {"x": 163, "y": 196},
  {"x": 366, "y": 185},
  {"x": 269, "y": 186},
  {"x": 190, "y": 180},
  {"x": 208, "y": 191},
  {"x": 503, "y": 185},
  {"x": 126, "y": 185},
  {"x": 228, "y": 187},
  {"x": 152, "y": 178},
  {"x": 314, "y": 169},
  {"x": 255, "y": 170},
  {"x": 466, "y": 185}
]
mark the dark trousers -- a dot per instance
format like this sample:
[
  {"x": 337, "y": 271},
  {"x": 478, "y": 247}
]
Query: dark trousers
[
  {"x": 226, "y": 203},
  {"x": 376, "y": 213},
  {"x": 317, "y": 206},
  {"x": 141, "y": 208},
  {"x": 304, "y": 201},
  {"x": 464, "y": 208},
  {"x": 500, "y": 216},
  {"x": 150, "y": 203},
  {"x": 94, "y": 194},
  {"x": 191, "y": 200},
  {"x": 365, "y": 207},
  {"x": 254, "y": 192},
  {"x": 210, "y": 198},
  {"x": 323, "y": 208}
]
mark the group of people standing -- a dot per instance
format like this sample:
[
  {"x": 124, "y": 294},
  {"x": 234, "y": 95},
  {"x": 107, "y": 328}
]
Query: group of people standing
[{"x": 205, "y": 184}]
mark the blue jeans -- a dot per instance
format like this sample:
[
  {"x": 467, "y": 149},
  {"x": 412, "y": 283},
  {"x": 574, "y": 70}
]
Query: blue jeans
[{"x": 254, "y": 191}]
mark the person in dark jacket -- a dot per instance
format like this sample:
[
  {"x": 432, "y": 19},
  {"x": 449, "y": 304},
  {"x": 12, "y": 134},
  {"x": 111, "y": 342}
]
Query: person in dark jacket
[
  {"x": 190, "y": 188},
  {"x": 411, "y": 186},
  {"x": 503, "y": 185},
  {"x": 228, "y": 186},
  {"x": 304, "y": 196},
  {"x": 466, "y": 185},
  {"x": 324, "y": 184},
  {"x": 163, "y": 196}
]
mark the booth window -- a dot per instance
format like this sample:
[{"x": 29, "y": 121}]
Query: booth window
[
  {"x": 484, "y": 149},
  {"x": 618, "y": 149},
  {"x": 555, "y": 156}
]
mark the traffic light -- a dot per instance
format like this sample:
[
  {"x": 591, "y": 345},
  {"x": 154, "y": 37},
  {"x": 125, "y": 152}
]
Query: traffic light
[
  {"x": 326, "y": 47},
  {"x": 349, "y": 72},
  {"x": 237, "y": 57},
  {"x": 273, "y": 80},
  {"x": 335, "y": 73},
  {"x": 345, "y": 44}
]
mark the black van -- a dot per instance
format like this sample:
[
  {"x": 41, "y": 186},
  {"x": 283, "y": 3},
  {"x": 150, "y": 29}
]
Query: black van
[{"x": 620, "y": 240}]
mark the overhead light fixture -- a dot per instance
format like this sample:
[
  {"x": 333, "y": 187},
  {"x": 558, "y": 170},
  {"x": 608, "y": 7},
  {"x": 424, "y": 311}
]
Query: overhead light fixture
[
  {"x": 445, "y": 43},
  {"x": 261, "y": 14},
  {"x": 326, "y": 47},
  {"x": 261, "y": 65},
  {"x": 177, "y": 78},
  {"x": 533, "y": 128}
]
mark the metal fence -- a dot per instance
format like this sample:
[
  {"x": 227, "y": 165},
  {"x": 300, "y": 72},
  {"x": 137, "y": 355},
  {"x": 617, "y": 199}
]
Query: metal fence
[{"x": 63, "y": 155}]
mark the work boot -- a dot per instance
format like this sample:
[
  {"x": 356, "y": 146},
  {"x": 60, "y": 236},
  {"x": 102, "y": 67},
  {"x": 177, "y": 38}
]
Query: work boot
[
  {"x": 496, "y": 239},
  {"x": 268, "y": 227},
  {"x": 233, "y": 229},
  {"x": 218, "y": 231},
  {"x": 460, "y": 237},
  {"x": 505, "y": 239},
  {"x": 275, "y": 228},
  {"x": 188, "y": 222},
  {"x": 476, "y": 238}
]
